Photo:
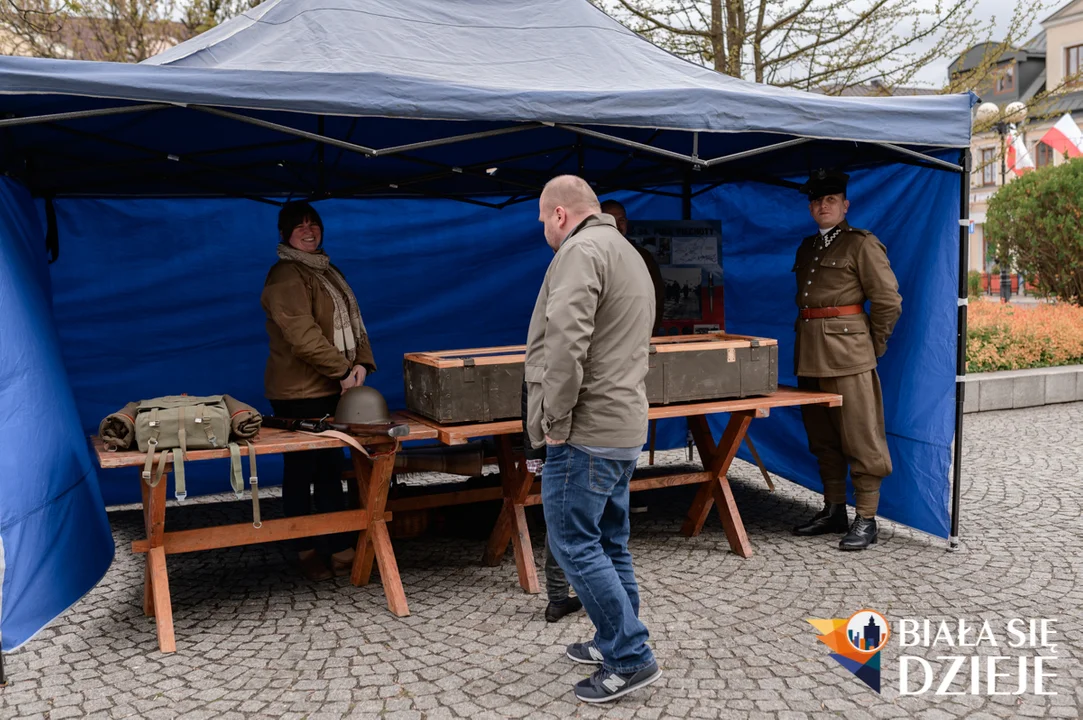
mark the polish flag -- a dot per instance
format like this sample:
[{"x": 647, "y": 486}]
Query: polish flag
[
  {"x": 1065, "y": 137},
  {"x": 1019, "y": 160}
]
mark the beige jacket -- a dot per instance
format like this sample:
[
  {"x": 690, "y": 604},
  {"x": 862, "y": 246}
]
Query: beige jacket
[
  {"x": 852, "y": 270},
  {"x": 304, "y": 362},
  {"x": 586, "y": 357}
]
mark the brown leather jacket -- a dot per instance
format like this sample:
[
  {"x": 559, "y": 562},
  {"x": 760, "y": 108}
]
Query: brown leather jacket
[
  {"x": 852, "y": 270},
  {"x": 304, "y": 362}
]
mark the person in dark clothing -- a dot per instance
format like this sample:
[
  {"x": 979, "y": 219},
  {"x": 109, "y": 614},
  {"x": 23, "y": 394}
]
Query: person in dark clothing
[{"x": 557, "y": 589}]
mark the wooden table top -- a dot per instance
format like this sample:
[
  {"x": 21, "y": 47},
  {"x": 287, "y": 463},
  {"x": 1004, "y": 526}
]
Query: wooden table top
[
  {"x": 270, "y": 441},
  {"x": 783, "y": 397}
]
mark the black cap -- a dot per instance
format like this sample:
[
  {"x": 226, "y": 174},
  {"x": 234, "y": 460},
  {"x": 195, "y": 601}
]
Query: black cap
[{"x": 825, "y": 182}]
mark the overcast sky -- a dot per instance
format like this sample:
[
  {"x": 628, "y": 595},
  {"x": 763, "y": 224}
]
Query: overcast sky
[{"x": 1002, "y": 10}]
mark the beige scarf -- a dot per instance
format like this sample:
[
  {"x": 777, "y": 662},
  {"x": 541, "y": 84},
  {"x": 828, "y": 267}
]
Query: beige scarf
[{"x": 349, "y": 328}]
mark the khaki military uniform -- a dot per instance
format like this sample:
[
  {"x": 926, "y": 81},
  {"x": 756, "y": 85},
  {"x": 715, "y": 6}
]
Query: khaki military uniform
[{"x": 838, "y": 355}]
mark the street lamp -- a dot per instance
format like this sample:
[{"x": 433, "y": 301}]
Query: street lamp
[{"x": 1002, "y": 124}]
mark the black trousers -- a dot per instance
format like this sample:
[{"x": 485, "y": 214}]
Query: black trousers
[{"x": 319, "y": 469}]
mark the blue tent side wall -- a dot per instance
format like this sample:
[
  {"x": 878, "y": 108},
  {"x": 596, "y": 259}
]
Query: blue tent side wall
[
  {"x": 157, "y": 296},
  {"x": 55, "y": 534}
]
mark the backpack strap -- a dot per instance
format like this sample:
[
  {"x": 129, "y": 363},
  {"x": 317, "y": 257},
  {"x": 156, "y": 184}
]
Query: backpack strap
[
  {"x": 148, "y": 465},
  {"x": 236, "y": 479},
  {"x": 152, "y": 445},
  {"x": 253, "y": 481},
  {"x": 181, "y": 490},
  {"x": 208, "y": 430}
]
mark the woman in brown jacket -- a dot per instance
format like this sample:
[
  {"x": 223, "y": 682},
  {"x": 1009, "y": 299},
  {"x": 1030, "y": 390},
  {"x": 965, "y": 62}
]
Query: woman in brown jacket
[{"x": 319, "y": 349}]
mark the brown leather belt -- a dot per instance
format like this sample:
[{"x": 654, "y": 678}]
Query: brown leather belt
[{"x": 829, "y": 312}]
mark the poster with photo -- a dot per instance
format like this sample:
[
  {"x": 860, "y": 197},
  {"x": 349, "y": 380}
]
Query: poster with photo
[
  {"x": 683, "y": 293},
  {"x": 689, "y": 255}
]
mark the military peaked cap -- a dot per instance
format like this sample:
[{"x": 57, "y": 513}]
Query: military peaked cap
[{"x": 825, "y": 182}]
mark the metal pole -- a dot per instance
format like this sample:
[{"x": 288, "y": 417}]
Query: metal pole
[
  {"x": 321, "y": 183},
  {"x": 960, "y": 348},
  {"x": 1005, "y": 276},
  {"x": 756, "y": 151},
  {"x": 352, "y": 147},
  {"x": 920, "y": 156},
  {"x": 80, "y": 114},
  {"x": 629, "y": 143}
]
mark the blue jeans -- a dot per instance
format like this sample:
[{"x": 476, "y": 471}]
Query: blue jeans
[{"x": 585, "y": 499}]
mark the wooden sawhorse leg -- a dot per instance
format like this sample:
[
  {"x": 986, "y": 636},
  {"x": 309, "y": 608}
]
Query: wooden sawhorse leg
[
  {"x": 156, "y": 600},
  {"x": 716, "y": 490},
  {"x": 374, "y": 543},
  {"x": 511, "y": 526}
]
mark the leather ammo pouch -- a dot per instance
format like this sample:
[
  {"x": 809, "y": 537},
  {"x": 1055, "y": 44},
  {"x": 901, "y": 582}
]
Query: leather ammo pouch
[{"x": 179, "y": 423}]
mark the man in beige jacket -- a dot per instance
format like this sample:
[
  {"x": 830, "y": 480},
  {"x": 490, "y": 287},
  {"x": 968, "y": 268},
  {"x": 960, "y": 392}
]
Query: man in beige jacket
[{"x": 586, "y": 362}]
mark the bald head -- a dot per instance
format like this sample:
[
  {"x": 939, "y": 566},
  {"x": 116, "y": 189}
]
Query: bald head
[
  {"x": 565, "y": 201},
  {"x": 570, "y": 192},
  {"x": 614, "y": 208}
]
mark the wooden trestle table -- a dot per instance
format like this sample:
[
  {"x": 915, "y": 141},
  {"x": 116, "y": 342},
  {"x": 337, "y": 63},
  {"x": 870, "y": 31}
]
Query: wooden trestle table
[
  {"x": 519, "y": 489},
  {"x": 374, "y": 543}
]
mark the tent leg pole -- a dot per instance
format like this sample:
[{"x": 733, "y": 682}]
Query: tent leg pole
[
  {"x": 3, "y": 677},
  {"x": 960, "y": 348}
]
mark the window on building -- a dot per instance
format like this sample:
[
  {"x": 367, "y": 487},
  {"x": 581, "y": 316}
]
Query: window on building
[
  {"x": 1073, "y": 63},
  {"x": 988, "y": 166},
  {"x": 1005, "y": 80},
  {"x": 1043, "y": 154}
]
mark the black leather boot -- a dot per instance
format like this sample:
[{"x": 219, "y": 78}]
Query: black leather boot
[
  {"x": 832, "y": 519},
  {"x": 862, "y": 533}
]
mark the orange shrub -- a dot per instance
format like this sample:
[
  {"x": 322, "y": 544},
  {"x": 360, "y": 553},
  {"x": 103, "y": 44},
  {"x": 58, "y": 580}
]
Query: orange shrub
[{"x": 1012, "y": 337}]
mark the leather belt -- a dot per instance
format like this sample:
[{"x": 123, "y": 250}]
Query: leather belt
[{"x": 829, "y": 312}]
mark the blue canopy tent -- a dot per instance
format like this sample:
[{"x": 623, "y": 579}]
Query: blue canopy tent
[{"x": 424, "y": 129}]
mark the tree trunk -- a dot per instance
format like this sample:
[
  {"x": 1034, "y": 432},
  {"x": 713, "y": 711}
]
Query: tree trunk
[
  {"x": 735, "y": 35},
  {"x": 718, "y": 46}
]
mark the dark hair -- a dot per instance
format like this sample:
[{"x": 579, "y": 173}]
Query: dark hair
[
  {"x": 293, "y": 214},
  {"x": 613, "y": 203}
]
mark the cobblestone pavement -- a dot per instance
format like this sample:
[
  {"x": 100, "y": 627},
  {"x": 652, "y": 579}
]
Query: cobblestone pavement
[{"x": 254, "y": 641}]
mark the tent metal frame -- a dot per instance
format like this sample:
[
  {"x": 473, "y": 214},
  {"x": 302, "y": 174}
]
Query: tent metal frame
[{"x": 638, "y": 150}]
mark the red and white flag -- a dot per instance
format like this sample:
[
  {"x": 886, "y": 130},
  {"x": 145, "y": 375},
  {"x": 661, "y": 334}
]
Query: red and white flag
[
  {"x": 1019, "y": 160},
  {"x": 1065, "y": 137}
]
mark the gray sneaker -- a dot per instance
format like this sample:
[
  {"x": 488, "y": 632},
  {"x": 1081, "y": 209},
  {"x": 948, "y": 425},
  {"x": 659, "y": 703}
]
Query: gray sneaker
[
  {"x": 586, "y": 653},
  {"x": 605, "y": 686}
]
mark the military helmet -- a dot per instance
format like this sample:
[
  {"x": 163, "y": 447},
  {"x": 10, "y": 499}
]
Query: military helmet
[{"x": 362, "y": 406}]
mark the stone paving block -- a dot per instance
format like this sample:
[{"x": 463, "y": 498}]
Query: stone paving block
[
  {"x": 972, "y": 396},
  {"x": 1061, "y": 387},
  {"x": 1028, "y": 391},
  {"x": 996, "y": 394}
]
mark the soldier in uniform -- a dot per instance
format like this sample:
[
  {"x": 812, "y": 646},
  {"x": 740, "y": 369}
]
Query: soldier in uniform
[{"x": 837, "y": 345}]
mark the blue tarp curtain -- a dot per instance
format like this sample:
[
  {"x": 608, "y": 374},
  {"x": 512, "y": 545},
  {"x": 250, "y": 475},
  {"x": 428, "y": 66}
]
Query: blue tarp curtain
[
  {"x": 55, "y": 540},
  {"x": 174, "y": 303}
]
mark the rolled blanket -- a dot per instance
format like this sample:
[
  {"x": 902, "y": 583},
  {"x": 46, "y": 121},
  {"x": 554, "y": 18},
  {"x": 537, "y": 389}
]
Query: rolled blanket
[
  {"x": 117, "y": 430},
  {"x": 244, "y": 420}
]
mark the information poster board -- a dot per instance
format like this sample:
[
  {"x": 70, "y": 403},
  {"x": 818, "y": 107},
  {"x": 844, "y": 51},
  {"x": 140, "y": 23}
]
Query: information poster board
[{"x": 689, "y": 254}]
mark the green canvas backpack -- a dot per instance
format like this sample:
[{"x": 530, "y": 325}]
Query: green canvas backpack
[{"x": 179, "y": 423}]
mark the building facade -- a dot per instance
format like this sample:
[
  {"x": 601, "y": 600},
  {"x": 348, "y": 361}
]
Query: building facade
[{"x": 1046, "y": 74}]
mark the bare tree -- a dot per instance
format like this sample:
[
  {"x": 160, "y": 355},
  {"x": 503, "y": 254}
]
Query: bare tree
[
  {"x": 825, "y": 45},
  {"x": 111, "y": 30},
  {"x": 202, "y": 15}
]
